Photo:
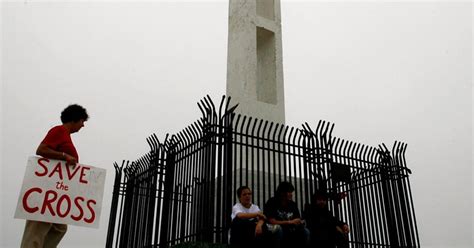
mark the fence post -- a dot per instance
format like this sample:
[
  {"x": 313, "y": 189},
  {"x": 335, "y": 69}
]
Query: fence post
[
  {"x": 387, "y": 197},
  {"x": 167, "y": 196},
  {"x": 113, "y": 207}
]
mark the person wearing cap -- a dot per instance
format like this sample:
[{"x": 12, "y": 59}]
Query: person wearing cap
[
  {"x": 285, "y": 219},
  {"x": 247, "y": 221},
  {"x": 326, "y": 231}
]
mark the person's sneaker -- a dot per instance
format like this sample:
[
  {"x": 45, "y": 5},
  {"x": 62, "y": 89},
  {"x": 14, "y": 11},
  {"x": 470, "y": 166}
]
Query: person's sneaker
[{"x": 273, "y": 228}]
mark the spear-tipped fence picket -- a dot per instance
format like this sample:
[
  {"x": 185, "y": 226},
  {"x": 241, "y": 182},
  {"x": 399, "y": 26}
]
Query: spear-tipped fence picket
[{"x": 184, "y": 188}]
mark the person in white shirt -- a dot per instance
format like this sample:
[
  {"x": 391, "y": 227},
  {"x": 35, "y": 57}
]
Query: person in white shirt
[{"x": 247, "y": 220}]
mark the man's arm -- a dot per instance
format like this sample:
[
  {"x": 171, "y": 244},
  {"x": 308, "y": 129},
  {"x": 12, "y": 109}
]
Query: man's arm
[
  {"x": 258, "y": 228},
  {"x": 45, "y": 151},
  {"x": 270, "y": 212},
  {"x": 274, "y": 221},
  {"x": 258, "y": 215},
  {"x": 341, "y": 226}
]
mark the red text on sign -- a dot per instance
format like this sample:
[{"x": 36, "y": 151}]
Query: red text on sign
[
  {"x": 58, "y": 170},
  {"x": 53, "y": 203}
]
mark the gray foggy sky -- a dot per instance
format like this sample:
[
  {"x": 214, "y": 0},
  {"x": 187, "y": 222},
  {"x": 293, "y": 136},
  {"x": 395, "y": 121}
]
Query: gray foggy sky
[{"x": 379, "y": 71}]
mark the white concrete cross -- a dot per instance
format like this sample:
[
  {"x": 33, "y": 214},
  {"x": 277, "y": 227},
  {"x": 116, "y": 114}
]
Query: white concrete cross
[{"x": 254, "y": 62}]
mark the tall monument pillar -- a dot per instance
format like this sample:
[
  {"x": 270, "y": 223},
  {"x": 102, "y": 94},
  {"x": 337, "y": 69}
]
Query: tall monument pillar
[{"x": 254, "y": 62}]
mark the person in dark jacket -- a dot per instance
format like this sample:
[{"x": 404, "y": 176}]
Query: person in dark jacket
[
  {"x": 326, "y": 231},
  {"x": 285, "y": 219}
]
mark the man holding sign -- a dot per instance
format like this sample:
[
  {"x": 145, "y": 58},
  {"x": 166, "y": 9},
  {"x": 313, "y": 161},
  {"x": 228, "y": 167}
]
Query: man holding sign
[{"x": 56, "y": 145}]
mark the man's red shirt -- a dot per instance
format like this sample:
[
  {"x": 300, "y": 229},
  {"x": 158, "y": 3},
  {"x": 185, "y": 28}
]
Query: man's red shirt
[{"x": 59, "y": 139}]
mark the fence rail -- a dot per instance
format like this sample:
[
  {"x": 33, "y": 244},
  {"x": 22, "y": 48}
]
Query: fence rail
[{"x": 184, "y": 188}]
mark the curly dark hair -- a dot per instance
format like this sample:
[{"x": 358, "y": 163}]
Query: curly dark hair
[
  {"x": 284, "y": 187},
  {"x": 74, "y": 113}
]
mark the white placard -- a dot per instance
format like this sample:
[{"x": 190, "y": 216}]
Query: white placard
[{"x": 57, "y": 193}]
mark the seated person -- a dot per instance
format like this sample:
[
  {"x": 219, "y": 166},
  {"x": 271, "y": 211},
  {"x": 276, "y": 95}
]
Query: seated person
[
  {"x": 247, "y": 220},
  {"x": 285, "y": 219},
  {"x": 326, "y": 230}
]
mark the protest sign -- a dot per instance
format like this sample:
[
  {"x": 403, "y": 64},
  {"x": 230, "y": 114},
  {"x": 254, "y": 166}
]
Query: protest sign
[{"x": 58, "y": 193}]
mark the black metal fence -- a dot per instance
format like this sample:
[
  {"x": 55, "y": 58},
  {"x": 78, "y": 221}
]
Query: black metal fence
[{"x": 184, "y": 188}]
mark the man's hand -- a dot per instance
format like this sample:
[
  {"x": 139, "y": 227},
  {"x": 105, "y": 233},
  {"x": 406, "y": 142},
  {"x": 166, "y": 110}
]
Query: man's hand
[
  {"x": 70, "y": 160},
  {"x": 261, "y": 216},
  {"x": 344, "y": 230},
  {"x": 258, "y": 230},
  {"x": 296, "y": 221}
]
